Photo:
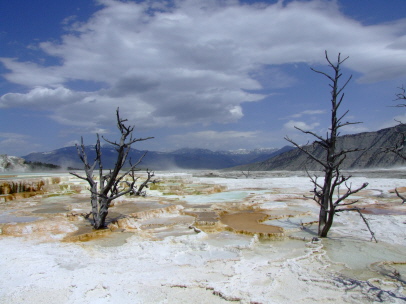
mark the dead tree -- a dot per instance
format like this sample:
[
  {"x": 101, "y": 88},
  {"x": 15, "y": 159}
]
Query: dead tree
[
  {"x": 398, "y": 147},
  {"x": 323, "y": 193},
  {"x": 401, "y": 96},
  {"x": 110, "y": 184},
  {"x": 247, "y": 175},
  {"x": 140, "y": 191}
]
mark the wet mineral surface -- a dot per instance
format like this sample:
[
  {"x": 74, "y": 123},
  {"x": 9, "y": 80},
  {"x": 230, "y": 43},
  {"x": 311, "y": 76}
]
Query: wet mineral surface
[{"x": 228, "y": 217}]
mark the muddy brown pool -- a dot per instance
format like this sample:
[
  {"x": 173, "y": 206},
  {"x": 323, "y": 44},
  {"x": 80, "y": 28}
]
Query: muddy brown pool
[{"x": 249, "y": 222}]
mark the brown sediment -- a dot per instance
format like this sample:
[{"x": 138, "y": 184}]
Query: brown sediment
[
  {"x": 15, "y": 196},
  {"x": 7, "y": 176},
  {"x": 130, "y": 221},
  {"x": 204, "y": 217},
  {"x": 179, "y": 186},
  {"x": 17, "y": 186},
  {"x": 157, "y": 212},
  {"x": 45, "y": 227},
  {"x": 85, "y": 234},
  {"x": 118, "y": 222},
  {"x": 383, "y": 211},
  {"x": 210, "y": 227},
  {"x": 250, "y": 223},
  {"x": 282, "y": 214},
  {"x": 399, "y": 189}
]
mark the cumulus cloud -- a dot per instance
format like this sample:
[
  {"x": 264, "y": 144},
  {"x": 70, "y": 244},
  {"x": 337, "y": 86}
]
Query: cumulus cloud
[
  {"x": 194, "y": 62},
  {"x": 31, "y": 74},
  {"x": 41, "y": 98}
]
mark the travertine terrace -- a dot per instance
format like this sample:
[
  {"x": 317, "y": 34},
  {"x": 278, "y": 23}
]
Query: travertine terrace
[{"x": 200, "y": 237}]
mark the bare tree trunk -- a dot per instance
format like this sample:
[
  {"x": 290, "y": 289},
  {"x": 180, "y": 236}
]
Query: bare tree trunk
[
  {"x": 107, "y": 188},
  {"x": 101, "y": 215},
  {"x": 398, "y": 148},
  {"x": 141, "y": 187},
  {"x": 95, "y": 206},
  {"x": 324, "y": 215},
  {"x": 324, "y": 194}
]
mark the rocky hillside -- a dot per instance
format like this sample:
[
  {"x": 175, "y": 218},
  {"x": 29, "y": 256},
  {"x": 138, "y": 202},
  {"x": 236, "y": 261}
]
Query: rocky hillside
[{"x": 371, "y": 157}]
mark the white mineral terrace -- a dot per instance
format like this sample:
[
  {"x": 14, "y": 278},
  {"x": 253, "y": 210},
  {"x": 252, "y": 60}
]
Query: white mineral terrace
[{"x": 201, "y": 237}]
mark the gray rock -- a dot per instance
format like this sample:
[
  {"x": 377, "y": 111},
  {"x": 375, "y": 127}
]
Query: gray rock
[{"x": 372, "y": 156}]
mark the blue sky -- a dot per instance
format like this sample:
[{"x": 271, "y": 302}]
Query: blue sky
[{"x": 221, "y": 75}]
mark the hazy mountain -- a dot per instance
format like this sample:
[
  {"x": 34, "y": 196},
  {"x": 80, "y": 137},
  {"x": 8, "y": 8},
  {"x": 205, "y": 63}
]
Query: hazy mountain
[
  {"x": 286, "y": 158},
  {"x": 186, "y": 158},
  {"x": 371, "y": 157}
]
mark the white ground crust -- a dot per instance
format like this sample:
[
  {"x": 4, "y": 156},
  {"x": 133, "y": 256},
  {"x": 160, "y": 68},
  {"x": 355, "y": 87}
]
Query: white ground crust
[{"x": 216, "y": 268}]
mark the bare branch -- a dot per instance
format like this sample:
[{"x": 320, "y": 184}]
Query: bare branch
[
  {"x": 349, "y": 192},
  {"x": 78, "y": 176},
  {"x": 247, "y": 175},
  {"x": 363, "y": 218},
  {"x": 400, "y": 196},
  {"x": 343, "y": 87},
  {"x": 321, "y": 139},
  {"x": 332, "y": 159},
  {"x": 110, "y": 185},
  {"x": 325, "y": 74},
  {"x": 401, "y": 95},
  {"x": 305, "y": 151},
  {"x": 397, "y": 149},
  {"x": 145, "y": 183}
]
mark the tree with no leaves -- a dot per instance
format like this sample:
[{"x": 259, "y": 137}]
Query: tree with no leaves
[
  {"x": 399, "y": 147},
  {"x": 324, "y": 192},
  {"x": 109, "y": 185}
]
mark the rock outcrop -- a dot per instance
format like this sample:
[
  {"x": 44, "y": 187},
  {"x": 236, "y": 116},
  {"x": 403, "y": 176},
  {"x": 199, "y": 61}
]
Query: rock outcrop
[
  {"x": 12, "y": 163},
  {"x": 372, "y": 155}
]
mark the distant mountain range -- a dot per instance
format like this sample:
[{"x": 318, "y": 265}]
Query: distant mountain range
[
  {"x": 287, "y": 158},
  {"x": 372, "y": 156},
  {"x": 180, "y": 159}
]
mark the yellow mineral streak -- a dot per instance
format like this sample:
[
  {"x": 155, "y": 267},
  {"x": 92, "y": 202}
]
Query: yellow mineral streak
[
  {"x": 87, "y": 234},
  {"x": 131, "y": 221}
]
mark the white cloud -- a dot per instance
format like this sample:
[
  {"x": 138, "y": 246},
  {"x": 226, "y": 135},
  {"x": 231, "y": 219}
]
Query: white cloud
[
  {"x": 72, "y": 143},
  {"x": 308, "y": 112},
  {"x": 395, "y": 121},
  {"x": 353, "y": 129},
  {"x": 292, "y": 125},
  {"x": 194, "y": 63},
  {"x": 31, "y": 74},
  {"x": 41, "y": 98}
]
